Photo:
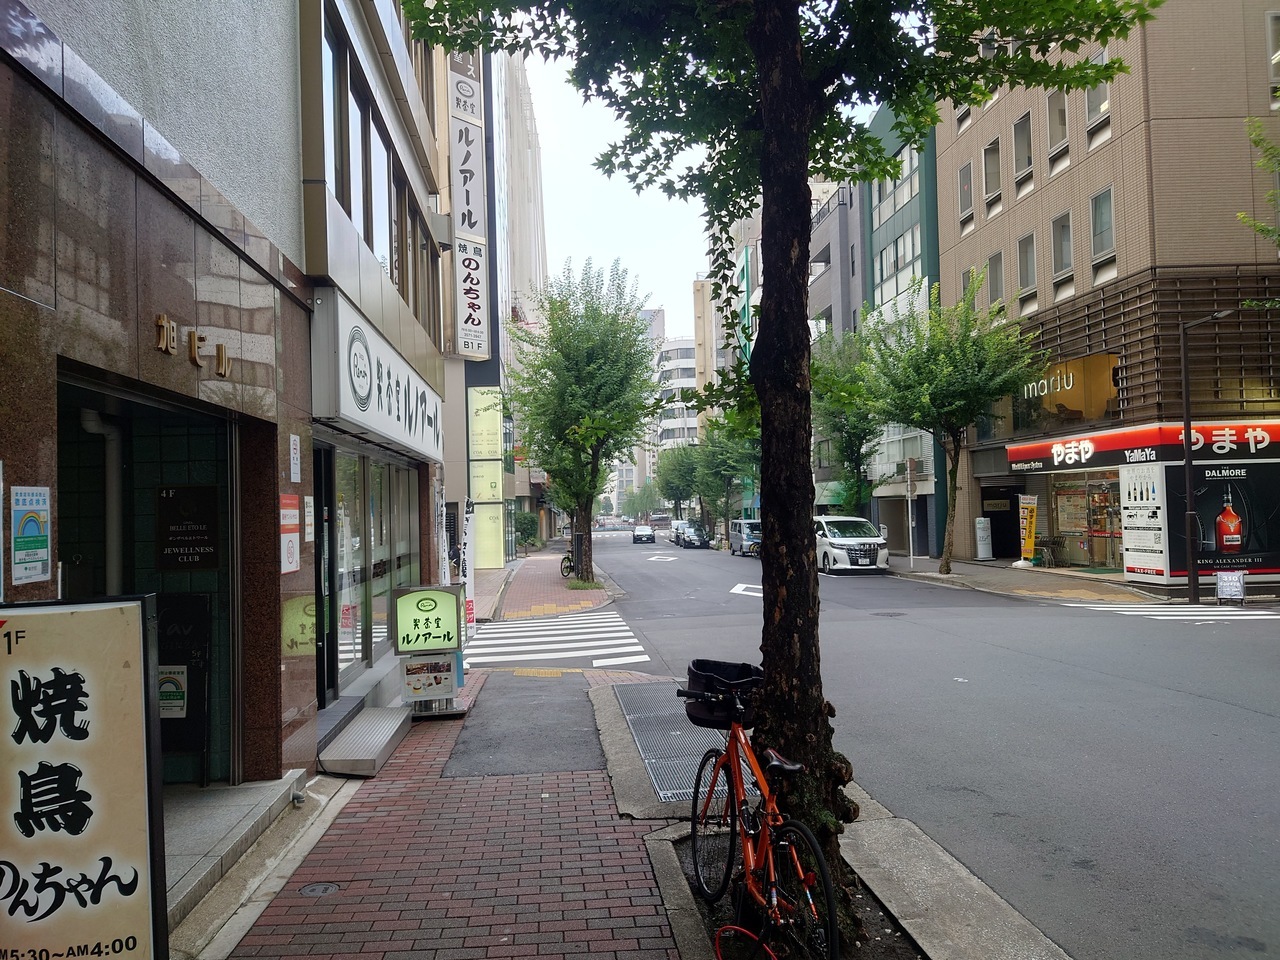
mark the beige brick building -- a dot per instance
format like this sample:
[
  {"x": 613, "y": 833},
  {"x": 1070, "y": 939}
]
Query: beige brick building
[{"x": 1106, "y": 219}]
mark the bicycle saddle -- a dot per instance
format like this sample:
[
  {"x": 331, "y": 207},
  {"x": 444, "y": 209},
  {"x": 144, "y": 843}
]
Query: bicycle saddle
[{"x": 777, "y": 765}]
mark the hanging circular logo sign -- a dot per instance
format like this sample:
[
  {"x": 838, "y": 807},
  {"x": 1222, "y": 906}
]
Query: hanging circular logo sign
[{"x": 359, "y": 368}]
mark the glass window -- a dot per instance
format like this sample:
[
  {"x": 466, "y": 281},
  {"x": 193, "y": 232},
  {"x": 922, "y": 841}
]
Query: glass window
[
  {"x": 1104, "y": 237},
  {"x": 358, "y": 117},
  {"x": 1057, "y": 120},
  {"x": 966, "y": 190},
  {"x": 380, "y": 196},
  {"x": 1022, "y": 145},
  {"x": 1061, "y": 231},
  {"x": 991, "y": 169},
  {"x": 352, "y": 549},
  {"x": 1097, "y": 100},
  {"x": 399, "y": 235},
  {"x": 332, "y": 56},
  {"x": 379, "y": 554},
  {"x": 995, "y": 277},
  {"x": 1273, "y": 36},
  {"x": 1027, "y": 262}
]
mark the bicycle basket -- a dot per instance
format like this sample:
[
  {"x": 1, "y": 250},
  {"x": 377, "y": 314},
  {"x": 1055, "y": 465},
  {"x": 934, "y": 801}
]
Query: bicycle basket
[{"x": 719, "y": 676}]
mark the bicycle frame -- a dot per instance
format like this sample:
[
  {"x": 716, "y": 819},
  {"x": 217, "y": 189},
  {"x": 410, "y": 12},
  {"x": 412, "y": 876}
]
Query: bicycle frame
[{"x": 756, "y": 850}]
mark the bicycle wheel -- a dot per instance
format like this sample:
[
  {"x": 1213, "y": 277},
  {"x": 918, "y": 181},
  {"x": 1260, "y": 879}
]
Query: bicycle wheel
[
  {"x": 713, "y": 828},
  {"x": 566, "y": 566},
  {"x": 807, "y": 920}
]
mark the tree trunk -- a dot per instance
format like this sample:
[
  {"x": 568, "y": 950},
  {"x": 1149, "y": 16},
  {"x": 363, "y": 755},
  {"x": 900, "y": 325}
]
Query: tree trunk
[
  {"x": 953, "y": 478},
  {"x": 582, "y": 524},
  {"x": 794, "y": 715}
]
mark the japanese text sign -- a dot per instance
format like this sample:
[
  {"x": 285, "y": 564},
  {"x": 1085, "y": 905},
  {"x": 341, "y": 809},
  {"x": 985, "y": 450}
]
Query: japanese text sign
[
  {"x": 79, "y": 824},
  {"x": 427, "y": 619}
]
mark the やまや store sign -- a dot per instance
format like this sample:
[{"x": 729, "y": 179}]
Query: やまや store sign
[
  {"x": 1160, "y": 442},
  {"x": 81, "y": 843}
]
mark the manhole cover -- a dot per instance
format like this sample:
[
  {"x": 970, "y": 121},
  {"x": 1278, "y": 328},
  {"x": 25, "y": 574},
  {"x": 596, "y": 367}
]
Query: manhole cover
[
  {"x": 888, "y": 614},
  {"x": 318, "y": 889}
]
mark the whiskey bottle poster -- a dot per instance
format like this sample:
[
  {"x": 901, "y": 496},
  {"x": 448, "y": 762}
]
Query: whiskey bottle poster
[{"x": 1237, "y": 511}]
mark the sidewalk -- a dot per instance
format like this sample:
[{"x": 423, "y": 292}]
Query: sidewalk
[
  {"x": 1048, "y": 583},
  {"x": 532, "y": 586},
  {"x": 422, "y": 865}
]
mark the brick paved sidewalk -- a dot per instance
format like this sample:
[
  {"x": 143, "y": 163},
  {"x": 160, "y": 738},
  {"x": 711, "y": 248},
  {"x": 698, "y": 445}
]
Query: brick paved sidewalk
[
  {"x": 435, "y": 868},
  {"x": 536, "y": 589}
]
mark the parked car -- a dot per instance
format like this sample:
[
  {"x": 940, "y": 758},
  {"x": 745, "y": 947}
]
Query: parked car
[
  {"x": 695, "y": 535},
  {"x": 849, "y": 543},
  {"x": 744, "y": 537},
  {"x": 643, "y": 533},
  {"x": 677, "y": 530}
]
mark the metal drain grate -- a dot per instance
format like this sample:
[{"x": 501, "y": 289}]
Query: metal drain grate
[
  {"x": 670, "y": 746},
  {"x": 660, "y": 739},
  {"x": 888, "y": 614}
]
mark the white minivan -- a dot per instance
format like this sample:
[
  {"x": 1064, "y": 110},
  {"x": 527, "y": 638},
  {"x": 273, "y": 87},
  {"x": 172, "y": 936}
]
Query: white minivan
[
  {"x": 849, "y": 543},
  {"x": 744, "y": 537}
]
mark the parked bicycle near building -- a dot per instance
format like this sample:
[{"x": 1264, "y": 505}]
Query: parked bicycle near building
[{"x": 781, "y": 869}]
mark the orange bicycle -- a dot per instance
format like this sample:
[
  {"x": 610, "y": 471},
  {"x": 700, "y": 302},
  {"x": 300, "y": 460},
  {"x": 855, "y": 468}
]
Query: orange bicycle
[{"x": 782, "y": 869}]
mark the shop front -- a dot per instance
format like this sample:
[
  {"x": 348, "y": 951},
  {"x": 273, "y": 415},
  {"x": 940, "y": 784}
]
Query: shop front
[
  {"x": 1117, "y": 499},
  {"x": 378, "y": 434}
]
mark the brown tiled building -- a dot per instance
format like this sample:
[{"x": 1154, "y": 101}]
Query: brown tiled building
[{"x": 1105, "y": 220}]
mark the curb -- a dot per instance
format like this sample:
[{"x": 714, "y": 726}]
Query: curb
[{"x": 948, "y": 911}]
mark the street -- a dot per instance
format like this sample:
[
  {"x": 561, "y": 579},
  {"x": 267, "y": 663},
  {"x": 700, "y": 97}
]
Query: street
[{"x": 1115, "y": 778}]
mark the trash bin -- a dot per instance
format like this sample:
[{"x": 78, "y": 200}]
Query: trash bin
[{"x": 982, "y": 530}]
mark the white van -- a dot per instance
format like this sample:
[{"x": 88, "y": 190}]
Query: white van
[
  {"x": 849, "y": 543},
  {"x": 744, "y": 537}
]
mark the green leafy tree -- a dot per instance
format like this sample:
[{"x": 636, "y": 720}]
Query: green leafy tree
[
  {"x": 526, "y": 527},
  {"x": 643, "y": 500},
  {"x": 842, "y": 414},
  {"x": 582, "y": 386},
  {"x": 728, "y": 456},
  {"x": 605, "y": 505},
  {"x": 941, "y": 369},
  {"x": 674, "y": 474},
  {"x": 739, "y": 103},
  {"x": 1269, "y": 162}
]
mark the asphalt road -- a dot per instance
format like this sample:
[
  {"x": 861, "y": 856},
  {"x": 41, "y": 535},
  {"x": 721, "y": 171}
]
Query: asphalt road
[{"x": 1116, "y": 779}]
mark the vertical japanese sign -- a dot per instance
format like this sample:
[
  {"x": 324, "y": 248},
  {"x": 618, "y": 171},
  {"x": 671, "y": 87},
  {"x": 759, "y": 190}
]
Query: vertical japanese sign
[
  {"x": 468, "y": 564},
  {"x": 29, "y": 524},
  {"x": 81, "y": 841},
  {"x": 290, "y": 534},
  {"x": 468, "y": 203},
  {"x": 1027, "y": 504}
]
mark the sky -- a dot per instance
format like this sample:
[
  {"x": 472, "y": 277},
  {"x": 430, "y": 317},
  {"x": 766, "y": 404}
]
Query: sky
[{"x": 659, "y": 242}]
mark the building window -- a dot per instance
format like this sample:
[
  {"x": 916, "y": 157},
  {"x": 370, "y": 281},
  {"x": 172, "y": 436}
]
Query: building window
[
  {"x": 991, "y": 170},
  {"x": 358, "y": 114},
  {"x": 332, "y": 59},
  {"x": 1022, "y": 146},
  {"x": 1097, "y": 100},
  {"x": 380, "y": 197},
  {"x": 1027, "y": 263},
  {"x": 966, "y": 191},
  {"x": 966, "y": 281},
  {"x": 995, "y": 277},
  {"x": 1103, "y": 225},
  {"x": 1061, "y": 231},
  {"x": 1273, "y": 36},
  {"x": 1057, "y": 121}
]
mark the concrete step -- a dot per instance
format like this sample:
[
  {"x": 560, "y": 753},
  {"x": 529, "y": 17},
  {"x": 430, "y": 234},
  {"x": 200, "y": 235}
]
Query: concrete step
[{"x": 366, "y": 743}]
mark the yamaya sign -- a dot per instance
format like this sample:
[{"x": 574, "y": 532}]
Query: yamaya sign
[{"x": 1161, "y": 442}]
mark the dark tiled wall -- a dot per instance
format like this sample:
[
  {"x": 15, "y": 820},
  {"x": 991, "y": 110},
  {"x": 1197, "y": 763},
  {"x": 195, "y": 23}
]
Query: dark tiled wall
[{"x": 92, "y": 251}]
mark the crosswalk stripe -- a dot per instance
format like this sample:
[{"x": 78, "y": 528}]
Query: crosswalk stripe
[
  {"x": 602, "y": 636},
  {"x": 1165, "y": 612}
]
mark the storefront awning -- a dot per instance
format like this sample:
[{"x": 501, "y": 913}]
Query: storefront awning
[{"x": 827, "y": 492}]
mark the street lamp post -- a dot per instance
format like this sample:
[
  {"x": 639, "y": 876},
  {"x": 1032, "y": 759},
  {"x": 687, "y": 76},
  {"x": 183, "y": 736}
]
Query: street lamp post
[{"x": 1192, "y": 523}]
